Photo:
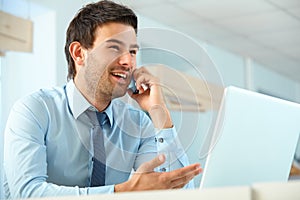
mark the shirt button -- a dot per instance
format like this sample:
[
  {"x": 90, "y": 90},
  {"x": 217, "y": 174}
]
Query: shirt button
[
  {"x": 163, "y": 169},
  {"x": 161, "y": 140}
]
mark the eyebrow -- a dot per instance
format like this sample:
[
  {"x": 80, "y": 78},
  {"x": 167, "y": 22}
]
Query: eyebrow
[{"x": 122, "y": 43}]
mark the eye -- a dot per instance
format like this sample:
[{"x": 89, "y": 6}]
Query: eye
[
  {"x": 133, "y": 52},
  {"x": 114, "y": 47}
]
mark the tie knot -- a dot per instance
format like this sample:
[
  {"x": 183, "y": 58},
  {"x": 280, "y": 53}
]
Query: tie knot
[{"x": 101, "y": 117}]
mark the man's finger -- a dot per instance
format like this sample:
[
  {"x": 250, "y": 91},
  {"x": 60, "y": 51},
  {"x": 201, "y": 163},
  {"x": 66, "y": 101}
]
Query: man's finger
[
  {"x": 182, "y": 181},
  {"x": 152, "y": 164},
  {"x": 139, "y": 71},
  {"x": 178, "y": 173}
]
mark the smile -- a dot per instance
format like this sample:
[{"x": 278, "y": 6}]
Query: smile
[{"x": 121, "y": 75}]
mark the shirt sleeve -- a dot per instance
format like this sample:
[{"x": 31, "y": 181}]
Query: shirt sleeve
[
  {"x": 168, "y": 143},
  {"x": 25, "y": 157}
]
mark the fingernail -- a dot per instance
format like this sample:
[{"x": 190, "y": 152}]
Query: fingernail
[
  {"x": 161, "y": 157},
  {"x": 144, "y": 87}
]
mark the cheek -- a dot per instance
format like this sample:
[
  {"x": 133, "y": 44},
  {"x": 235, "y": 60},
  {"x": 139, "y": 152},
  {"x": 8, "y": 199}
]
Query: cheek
[
  {"x": 97, "y": 67},
  {"x": 109, "y": 58},
  {"x": 133, "y": 63},
  {"x": 94, "y": 72}
]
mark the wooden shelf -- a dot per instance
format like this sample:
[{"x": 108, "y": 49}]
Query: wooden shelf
[{"x": 15, "y": 33}]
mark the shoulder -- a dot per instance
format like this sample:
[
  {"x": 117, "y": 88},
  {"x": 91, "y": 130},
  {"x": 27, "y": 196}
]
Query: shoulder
[
  {"x": 37, "y": 108},
  {"x": 43, "y": 95},
  {"x": 40, "y": 101}
]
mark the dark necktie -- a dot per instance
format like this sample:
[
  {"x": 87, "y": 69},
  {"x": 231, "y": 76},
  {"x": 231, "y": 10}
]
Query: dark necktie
[{"x": 99, "y": 167}]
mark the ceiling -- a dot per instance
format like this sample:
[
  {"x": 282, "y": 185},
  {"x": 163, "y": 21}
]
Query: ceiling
[{"x": 268, "y": 31}]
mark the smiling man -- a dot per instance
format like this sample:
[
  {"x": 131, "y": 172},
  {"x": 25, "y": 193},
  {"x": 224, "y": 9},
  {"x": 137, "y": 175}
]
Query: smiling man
[{"x": 80, "y": 139}]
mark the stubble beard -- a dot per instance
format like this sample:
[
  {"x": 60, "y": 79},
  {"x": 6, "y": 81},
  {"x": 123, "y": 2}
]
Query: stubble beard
[{"x": 100, "y": 86}]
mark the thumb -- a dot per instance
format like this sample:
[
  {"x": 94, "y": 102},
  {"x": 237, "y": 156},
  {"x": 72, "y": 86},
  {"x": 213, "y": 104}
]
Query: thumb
[
  {"x": 132, "y": 94},
  {"x": 152, "y": 164}
]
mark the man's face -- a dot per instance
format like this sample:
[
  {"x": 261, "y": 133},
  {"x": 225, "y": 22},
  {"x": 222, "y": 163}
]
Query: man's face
[{"x": 108, "y": 65}]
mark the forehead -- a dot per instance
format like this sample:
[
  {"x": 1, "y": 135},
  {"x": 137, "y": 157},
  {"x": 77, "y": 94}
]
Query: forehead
[{"x": 122, "y": 32}]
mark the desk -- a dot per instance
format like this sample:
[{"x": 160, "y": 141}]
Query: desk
[
  {"x": 276, "y": 191},
  {"x": 262, "y": 191}
]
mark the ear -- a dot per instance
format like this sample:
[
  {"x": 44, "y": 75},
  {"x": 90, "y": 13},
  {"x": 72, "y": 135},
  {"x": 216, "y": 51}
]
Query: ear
[{"x": 77, "y": 53}]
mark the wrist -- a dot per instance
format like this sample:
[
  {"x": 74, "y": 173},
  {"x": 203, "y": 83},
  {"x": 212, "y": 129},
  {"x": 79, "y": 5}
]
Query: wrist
[
  {"x": 160, "y": 116},
  {"x": 122, "y": 187}
]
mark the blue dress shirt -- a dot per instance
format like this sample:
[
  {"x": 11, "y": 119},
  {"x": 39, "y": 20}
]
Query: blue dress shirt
[{"x": 48, "y": 148}]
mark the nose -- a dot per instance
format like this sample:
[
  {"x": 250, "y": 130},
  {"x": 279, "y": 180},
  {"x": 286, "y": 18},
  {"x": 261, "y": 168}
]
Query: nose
[{"x": 126, "y": 60}]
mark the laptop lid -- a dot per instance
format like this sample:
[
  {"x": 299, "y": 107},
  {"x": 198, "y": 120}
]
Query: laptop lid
[{"x": 254, "y": 140}]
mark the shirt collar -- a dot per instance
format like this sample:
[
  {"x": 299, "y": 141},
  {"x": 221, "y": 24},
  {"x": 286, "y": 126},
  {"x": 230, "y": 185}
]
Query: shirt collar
[{"x": 78, "y": 103}]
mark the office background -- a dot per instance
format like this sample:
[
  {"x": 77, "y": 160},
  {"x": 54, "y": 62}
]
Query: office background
[{"x": 23, "y": 73}]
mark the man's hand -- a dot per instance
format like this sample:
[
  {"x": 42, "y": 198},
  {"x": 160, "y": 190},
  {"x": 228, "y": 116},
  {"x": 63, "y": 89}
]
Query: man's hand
[
  {"x": 150, "y": 98},
  {"x": 146, "y": 179},
  {"x": 149, "y": 89}
]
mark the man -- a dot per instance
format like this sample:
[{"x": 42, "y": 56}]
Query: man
[{"x": 80, "y": 139}]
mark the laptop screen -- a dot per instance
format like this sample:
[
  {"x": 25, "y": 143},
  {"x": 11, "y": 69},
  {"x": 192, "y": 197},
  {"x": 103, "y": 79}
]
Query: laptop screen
[{"x": 254, "y": 140}]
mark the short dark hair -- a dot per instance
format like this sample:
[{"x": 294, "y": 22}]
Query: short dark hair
[{"x": 83, "y": 26}]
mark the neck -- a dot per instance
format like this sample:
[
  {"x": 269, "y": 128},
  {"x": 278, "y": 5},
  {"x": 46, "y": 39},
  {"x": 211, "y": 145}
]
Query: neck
[
  {"x": 99, "y": 101},
  {"x": 101, "y": 104}
]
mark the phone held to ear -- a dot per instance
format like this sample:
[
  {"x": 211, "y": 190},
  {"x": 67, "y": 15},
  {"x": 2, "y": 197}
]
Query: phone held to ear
[{"x": 132, "y": 86}]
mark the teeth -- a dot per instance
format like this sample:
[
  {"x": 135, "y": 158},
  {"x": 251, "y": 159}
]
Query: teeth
[{"x": 120, "y": 74}]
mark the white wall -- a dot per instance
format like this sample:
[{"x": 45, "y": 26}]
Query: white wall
[
  {"x": 66, "y": 11},
  {"x": 23, "y": 73},
  {"x": 1, "y": 135},
  {"x": 274, "y": 83}
]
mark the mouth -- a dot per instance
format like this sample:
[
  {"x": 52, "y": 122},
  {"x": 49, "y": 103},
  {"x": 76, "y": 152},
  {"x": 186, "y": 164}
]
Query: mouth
[{"x": 121, "y": 77}]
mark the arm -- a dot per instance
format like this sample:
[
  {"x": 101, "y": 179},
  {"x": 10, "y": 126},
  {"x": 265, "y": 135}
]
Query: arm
[
  {"x": 167, "y": 142},
  {"x": 25, "y": 154},
  {"x": 150, "y": 99}
]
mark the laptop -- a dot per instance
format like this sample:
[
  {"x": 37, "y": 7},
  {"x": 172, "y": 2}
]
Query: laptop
[{"x": 254, "y": 140}]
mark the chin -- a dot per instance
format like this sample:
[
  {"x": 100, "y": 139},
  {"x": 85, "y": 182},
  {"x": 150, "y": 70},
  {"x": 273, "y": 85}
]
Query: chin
[{"x": 120, "y": 92}]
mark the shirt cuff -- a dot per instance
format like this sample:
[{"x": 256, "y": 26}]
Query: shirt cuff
[
  {"x": 108, "y": 189},
  {"x": 167, "y": 140},
  {"x": 168, "y": 143}
]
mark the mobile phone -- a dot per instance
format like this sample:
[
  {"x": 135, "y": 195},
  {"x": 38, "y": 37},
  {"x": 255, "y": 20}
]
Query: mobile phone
[{"x": 132, "y": 86}]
